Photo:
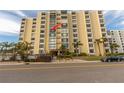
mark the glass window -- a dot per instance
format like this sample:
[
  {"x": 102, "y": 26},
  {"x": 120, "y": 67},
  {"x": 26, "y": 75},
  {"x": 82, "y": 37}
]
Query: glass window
[
  {"x": 42, "y": 26},
  {"x": 88, "y": 30},
  {"x": 42, "y": 31},
  {"x": 90, "y": 40},
  {"x": 63, "y": 11},
  {"x": 41, "y": 46},
  {"x": 74, "y": 30},
  {"x": 74, "y": 25},
  {"x": 91, "y": 50},
  {"x": 41, "y": 40},
  {"x": 90, "y": 45},
  {"x": 32, "y": 38},
  {"x": 64, "y": 17},
  {"x": 75, "y": 35},
  {"x": 41, "y": 35},
  {"x": 64, "y": 39},
  {"x": 42, "y": 22},
  {"x": 89, "y": 35},
  {"x": 88, "y": 25}
]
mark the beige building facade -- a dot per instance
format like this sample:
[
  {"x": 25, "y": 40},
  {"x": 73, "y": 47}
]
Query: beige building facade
[{"x": 83, "y": 26}]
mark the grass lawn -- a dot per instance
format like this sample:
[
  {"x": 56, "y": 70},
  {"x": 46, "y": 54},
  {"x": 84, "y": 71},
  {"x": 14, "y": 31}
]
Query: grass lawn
[{"x": 89, "y": 58}]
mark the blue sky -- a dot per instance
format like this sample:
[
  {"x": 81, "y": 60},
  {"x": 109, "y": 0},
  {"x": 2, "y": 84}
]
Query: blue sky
[{"x": 10, "y": 22}]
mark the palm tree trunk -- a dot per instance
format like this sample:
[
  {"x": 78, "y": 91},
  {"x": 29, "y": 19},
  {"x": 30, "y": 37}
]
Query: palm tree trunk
[{"x": 99, "y": 49}]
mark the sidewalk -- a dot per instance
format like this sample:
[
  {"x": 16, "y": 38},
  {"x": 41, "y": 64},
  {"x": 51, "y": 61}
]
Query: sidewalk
[{"x": 53, "y": 62}]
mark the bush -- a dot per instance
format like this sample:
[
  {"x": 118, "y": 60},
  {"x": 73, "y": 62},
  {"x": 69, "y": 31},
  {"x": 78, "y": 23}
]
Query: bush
[
  {"x": 73, "y": 54},
  {"x": 83, "y": 54}
]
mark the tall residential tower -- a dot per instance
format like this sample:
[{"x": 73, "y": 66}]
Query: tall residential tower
[{"x": 83, "y": 26}]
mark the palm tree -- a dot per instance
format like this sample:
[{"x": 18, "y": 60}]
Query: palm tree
[
  {"x": 1, "y": 49},
  {"x": 23, "y": 48},
  {"x": 103, "y": 41},
  {"x": 113, "y": 46},
  {"x": 76, "y": 45},
  {"x": 62, "y": 49},
  {"x": 98, "y": 41}
]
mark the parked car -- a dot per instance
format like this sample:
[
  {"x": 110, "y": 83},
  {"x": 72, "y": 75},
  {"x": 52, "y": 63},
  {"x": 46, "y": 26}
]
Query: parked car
[{"x": 113, "y": 59}]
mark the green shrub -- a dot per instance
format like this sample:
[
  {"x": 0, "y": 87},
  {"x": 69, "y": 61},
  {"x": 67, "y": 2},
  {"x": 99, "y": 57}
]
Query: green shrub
[{"x": 83, "y": 54}]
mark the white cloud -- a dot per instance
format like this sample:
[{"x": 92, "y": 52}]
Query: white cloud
[
  {"x": 18, "y": 13},
  {"x": 9, "y": 27}
]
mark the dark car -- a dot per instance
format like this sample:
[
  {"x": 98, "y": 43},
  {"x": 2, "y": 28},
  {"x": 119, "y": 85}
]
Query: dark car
[{"x": 113, "y": 59}]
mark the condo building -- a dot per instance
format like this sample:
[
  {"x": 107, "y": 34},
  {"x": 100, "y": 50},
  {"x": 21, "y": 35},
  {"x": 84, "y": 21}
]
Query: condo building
[
  {"x": 117, "y": 36},
  {"x": 83, "y": 26}
]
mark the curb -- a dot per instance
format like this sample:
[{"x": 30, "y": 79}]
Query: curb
[{"x": 54, "y": 62}]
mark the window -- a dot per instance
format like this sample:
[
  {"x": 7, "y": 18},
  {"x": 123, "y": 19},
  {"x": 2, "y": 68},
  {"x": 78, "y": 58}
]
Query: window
[
  {"x": 33, "y": 30},
  {"x": 87, "y": 16},
  {"x": 73, "y": 17},
  {"x": 42, "y": 22},
  {"x": 41, "y": 40},
  {"x": 20, "y": 38},
  {"x": 42, "y": 26},
  {"x": 42, "y": 31},
  {"x": 33, "y": 26},
  {"x": 73, "y": 21},
  {"x": 105, "y": 45},
  {"x": 90, "y": 45},
  {"x": 74, "y": 30},
  {"x": 63, "y": 11},
  {"x": 64, "y": 25},
  {"x": 34, "y": 22},
  {"x": 42, "y": 17},
  {"x": 99, "y": 12},
  {"x": 91, "y": 50},
  {"x": 23, "y": 19},
  {"x": 21, "y": 30},
  {"x": 32, "y": 38},
  {"x": 104, "y": 34},
  {"x": 101, "y": 20},
  {"x": 75, "y": 35},
  {"x": 23, "y": 22},
  {"x": 34, "y": 19},
  {"x": 87, "y": 21},
  {"x": 64, "y": 34},
  {"x": 52, "y": 34},
  {"x": 43, "y": 13},
  {"x": 102, "y": 25},
  {"x": 86, "y": 12},
  {"x": 89, "y": 35},
  {"x": 22, "y": 26},
  {"x": 74, "y": 25},
  {"x": 89, "y": 40},
  {"x": 100, "y": 16},
  {"x": 88, "y": 25},
  {"x": 41, "y": 35},
  {"x": 88, "y": 30},
  {"x": 64, "y": 17},
  {"x": 73, "y": 13},
  {"x": 75, "y": 40},
  {"x": 41, "y": 46},
  {"x": 103, "y": 29},
  {"x": 64, "y": 39}
]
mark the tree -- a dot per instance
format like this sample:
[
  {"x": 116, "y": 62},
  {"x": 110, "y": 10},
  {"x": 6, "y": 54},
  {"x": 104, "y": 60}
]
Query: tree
[
  {"x": 98, "y": 41},
  {"x": 76, "y": 46},
  {"x": 62, "y": 49},
  {"x": 1, "y": 49},
  {"x": 113, "y": 46},
  {"x": 23, "y": 49}
]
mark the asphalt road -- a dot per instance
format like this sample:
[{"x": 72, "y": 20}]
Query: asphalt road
[{"x": 63, "y": 73}]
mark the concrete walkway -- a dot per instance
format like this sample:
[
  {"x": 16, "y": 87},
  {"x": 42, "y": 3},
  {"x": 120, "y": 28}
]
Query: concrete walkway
[{"x": 53, "y": 62}]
